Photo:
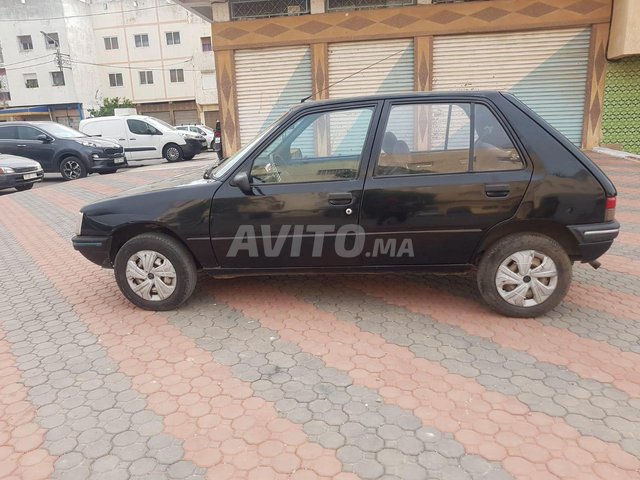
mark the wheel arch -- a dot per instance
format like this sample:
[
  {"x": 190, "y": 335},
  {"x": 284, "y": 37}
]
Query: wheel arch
[
  {"x": 125, "y": 233},
  {"x": 60, "y": 156},
  {"x": 558, "y": 232}
]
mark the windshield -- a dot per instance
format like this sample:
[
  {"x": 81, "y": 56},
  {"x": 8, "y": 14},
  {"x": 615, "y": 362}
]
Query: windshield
[
  {"x": 161, "y": 125},
  {"x": 231, "y": 162},
  {"x": 61, "y": 131}
]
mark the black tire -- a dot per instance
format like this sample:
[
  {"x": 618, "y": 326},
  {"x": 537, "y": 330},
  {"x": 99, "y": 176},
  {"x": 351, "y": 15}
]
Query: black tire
[
  {"x": 23, "y": 188},
  {"x": 72, "y": 168},
  {"x": 189, "y": 157},
  {"x": 186, "y": 274},
  {"x": 173, "y": 153},
  {"x": 507, "y": 246}
]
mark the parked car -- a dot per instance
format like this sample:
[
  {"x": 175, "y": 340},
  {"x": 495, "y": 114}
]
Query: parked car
[
  {"x": 203, "y": 130},
  {"x": 144, "y": 137},
  {"x": 58, "y": 148},
  {"x": 414, "y": 182},
  {"x": 19, "y": 172}
]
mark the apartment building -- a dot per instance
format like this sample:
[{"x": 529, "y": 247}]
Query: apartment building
[{"x": 152, "y": 52}]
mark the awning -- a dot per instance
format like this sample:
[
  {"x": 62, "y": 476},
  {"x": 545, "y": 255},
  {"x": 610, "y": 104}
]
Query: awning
[{"x": 10, "y": 112}]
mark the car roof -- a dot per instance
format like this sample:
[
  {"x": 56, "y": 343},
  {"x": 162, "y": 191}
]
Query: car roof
[
  {"x": 38, "y": 122},
  {"x": 460, "y": 94}
]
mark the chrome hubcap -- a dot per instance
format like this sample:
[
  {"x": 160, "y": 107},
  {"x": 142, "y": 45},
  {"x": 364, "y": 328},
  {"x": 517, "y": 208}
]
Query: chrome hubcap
[
  {"x": 526, "y": 278},
  {"x": 71, "y": 169},
  {"x": 151, "y": 275},
  {"x": 172, "y": 153}
]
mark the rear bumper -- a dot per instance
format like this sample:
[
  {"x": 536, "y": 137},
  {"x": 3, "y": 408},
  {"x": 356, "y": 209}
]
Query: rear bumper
[
  {"x": 595, "y": 239},
  {"x": 94, "y": 249}
]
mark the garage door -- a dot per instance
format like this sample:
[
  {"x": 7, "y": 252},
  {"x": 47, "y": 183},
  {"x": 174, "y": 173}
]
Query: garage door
[
  {"x": 367, "y": 68},
  {"x": 165, "y": 116},
  {"x": 269, "y": 82},
  {"x": 547, "y": 70},
  {"x": 186, "y": 117}
]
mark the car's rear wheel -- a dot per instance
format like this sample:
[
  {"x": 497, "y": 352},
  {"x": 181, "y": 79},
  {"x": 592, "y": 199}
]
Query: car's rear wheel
[
  {"x": 155, "y": 272},
  {"x": 524, "y": 275},
  {"x": 173, "y": 153},
  {"x": 72, "y": 168},
  {"x": 22, "y": 188}
]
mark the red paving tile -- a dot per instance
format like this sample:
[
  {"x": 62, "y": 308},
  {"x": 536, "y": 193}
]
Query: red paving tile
[
  {"x": 449, "y": 402},
  {"x": 21, "y": 439},
  {"x": 177, "y": 361}
]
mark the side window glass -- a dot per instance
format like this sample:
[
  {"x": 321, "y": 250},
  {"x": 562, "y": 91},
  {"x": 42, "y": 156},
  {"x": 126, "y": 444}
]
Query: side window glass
[
  {"x": 425, "y": 139},
  {"x": 140, "y": 128},
  {"x": 8, "y": 133},
  {"x": 493, "y": 150},
  {"x": 318, "y": 147},
  {"x": 28, "y": 133}
]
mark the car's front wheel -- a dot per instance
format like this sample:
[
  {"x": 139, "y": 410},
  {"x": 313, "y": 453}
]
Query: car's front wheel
[
  {"x": 173, "y": 153},
  {"x": 72, "y": 168},
  {"x": 155, "y": 272},
  {"x": 524, "y": 275}
]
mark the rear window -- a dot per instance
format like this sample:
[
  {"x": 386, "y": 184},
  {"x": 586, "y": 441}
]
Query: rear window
[{"x": 8, "y": 133}]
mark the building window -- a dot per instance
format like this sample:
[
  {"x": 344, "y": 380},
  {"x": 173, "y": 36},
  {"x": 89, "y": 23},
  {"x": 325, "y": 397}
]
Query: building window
[
  {"x": 111, "y": 43},
  {"x": 52, "y": 40},
  {"x": 141, "y": 40},
  {"x": 25, "y": 43},
  {"x": 177, "y": 75},
  {"x": 146, "y": 77},
  {"x": 246, "y": 9},
  {"x": 206, "y": 44},
  {"x": 115, "y": 80},
  {"x": 57, "y": 79},
  {"x": 340, "y": 5},
  {"x": 173, "y": 38},
  {"x": 208, "y": 80},
  {"x": 31, "y": 80}
]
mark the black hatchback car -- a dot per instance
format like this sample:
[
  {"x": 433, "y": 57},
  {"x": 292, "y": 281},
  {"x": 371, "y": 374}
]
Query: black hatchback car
[
  {"x": 58, "y": 148},
  {"x": 415, "y": 182}
]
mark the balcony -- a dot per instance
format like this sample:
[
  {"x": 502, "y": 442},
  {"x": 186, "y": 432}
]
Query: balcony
[
  {"x": 345, "y": 5},
  {"x": 251, "y": 9}
]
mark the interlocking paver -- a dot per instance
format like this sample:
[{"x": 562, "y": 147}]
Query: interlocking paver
[{"x": 346, "y": 374}]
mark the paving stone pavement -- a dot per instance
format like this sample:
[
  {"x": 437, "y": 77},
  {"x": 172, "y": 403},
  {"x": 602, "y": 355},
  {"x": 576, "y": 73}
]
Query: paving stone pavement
[{"x": 394, "y": 377}]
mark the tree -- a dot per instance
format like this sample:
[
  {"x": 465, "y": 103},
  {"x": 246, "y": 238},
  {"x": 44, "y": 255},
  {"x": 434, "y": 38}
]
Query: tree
[{"x": 109, "y": 105}]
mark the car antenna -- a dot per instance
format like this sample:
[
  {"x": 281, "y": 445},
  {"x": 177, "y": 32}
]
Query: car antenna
[{"x": 351, "y": 75}]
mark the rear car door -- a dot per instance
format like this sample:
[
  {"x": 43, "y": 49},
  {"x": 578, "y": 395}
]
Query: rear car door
[
  {"x": 9, "y": 139},
  {"x": 442, "y": 174},
  {"x": 30, "y": 146},
  {"x": 305, "y": 194}
]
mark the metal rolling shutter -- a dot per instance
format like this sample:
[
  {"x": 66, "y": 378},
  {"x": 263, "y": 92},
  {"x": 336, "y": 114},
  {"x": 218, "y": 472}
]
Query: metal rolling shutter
[
  {"x": 546, "y": 69},
  {"x": 389, "y": 68},
  {"x": 165, "y": 116},
  {"x": 268, "y": 83},
  {"x": 186, "y": 117}
]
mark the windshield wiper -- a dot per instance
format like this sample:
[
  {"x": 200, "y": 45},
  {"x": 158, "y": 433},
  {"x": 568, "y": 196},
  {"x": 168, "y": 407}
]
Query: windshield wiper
[{"x": 207, "y": 172}]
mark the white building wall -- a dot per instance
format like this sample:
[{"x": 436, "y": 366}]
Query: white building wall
[{"x": 82, "y": 38}]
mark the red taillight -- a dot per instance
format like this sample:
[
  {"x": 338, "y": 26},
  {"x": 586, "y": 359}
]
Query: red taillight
[{"x": 610, "y": 212}]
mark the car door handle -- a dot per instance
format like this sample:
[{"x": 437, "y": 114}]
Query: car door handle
[
  {"x": 340, "y": 198},
  {"x": 497, "y": 190},
  {"x": 132, "y": 139},
  {"x": 22, "y": 146}
]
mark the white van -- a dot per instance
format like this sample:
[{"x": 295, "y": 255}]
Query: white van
[{"x": 144, "y": 137}]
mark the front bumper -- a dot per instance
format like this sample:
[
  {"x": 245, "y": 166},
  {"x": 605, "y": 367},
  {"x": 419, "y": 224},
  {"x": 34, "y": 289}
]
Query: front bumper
[
  {"x": 94, "y": 249},
  {"x": 12, "y": 180},
  {"x": 594, "y": 239},
  {"x": 192, "y": 147},
  {"x": 100, "y": 161}
]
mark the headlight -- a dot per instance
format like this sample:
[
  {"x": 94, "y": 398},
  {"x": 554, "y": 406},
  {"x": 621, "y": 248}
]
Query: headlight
[
  {"x": 79, "y": 223},
  {"x": 87, "y": 143},
  {"x": 5, "y": 170}
]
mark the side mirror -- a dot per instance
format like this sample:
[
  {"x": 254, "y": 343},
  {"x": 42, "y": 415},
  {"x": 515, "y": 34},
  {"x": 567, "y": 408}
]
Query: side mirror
[
  {"x": 241, "y": 180},
  {"x": 44, "y": 138}
]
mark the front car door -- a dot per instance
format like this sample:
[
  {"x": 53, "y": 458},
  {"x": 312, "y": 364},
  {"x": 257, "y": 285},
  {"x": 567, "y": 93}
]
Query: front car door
[
  {"x": 142, "y": 140},
  {"x": 442, "y": 174},
  {"x": 30, "y": 146},
  {"x": 306, "y": 189}
]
